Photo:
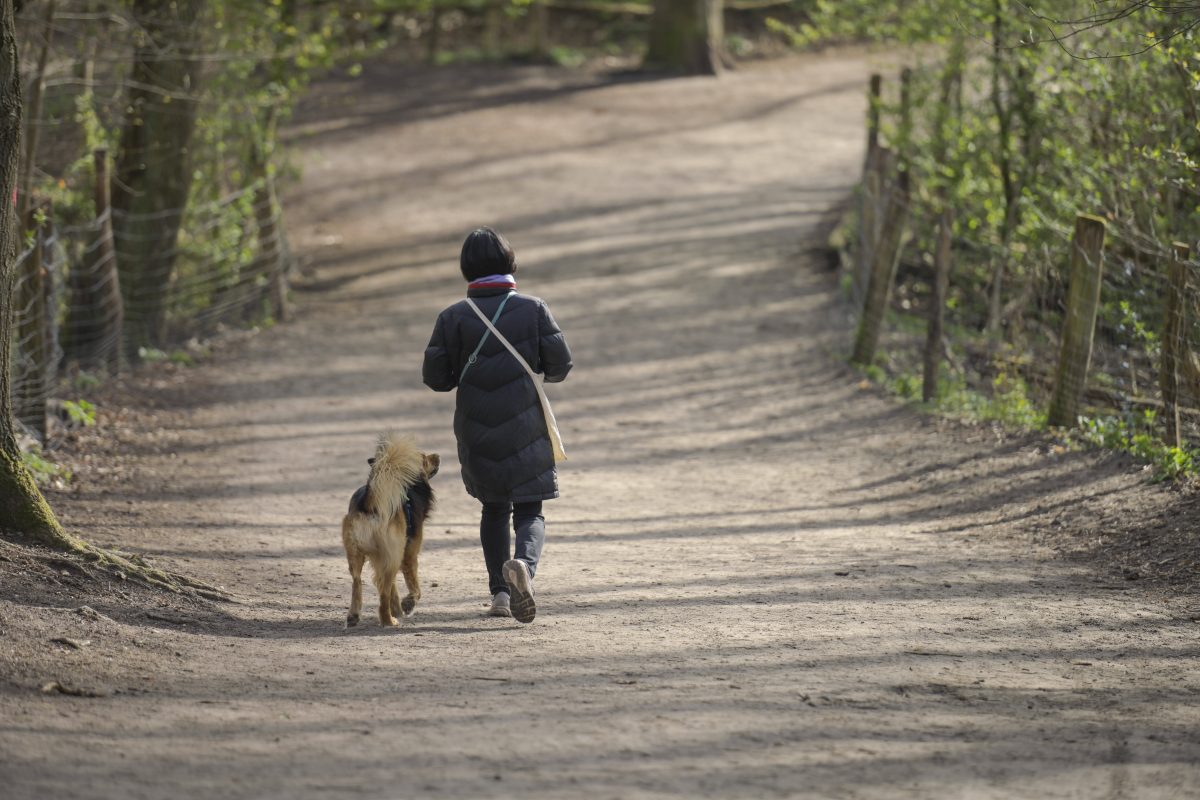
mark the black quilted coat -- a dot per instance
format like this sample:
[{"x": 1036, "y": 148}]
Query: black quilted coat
[{"x": 503, "y": 445}]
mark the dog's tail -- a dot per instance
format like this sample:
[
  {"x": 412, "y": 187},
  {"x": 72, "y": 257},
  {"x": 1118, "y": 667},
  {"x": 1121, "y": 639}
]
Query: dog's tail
[{"x": 397, "y": 466}]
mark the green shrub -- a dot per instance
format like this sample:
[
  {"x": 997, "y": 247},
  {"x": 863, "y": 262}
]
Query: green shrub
[
  {"x": 80, "y": 412},
  {"x": 1134, "y": 434},
  {"x": 44, "y": 471}
]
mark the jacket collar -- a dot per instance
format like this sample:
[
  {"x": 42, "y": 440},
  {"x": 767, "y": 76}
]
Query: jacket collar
[{"x": 488, "y": 291}]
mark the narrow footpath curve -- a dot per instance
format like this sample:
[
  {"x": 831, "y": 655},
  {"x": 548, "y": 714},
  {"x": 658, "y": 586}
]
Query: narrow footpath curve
[{"x": 761, "y": 580}]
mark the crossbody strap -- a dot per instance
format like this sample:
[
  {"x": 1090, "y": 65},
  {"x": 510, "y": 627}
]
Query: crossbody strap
[
  {"x": 491, "y": 327},
  {"x": 560, "y": 453}
]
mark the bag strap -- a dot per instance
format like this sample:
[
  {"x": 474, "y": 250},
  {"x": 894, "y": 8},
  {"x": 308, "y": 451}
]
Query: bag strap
[
  {"x": 556, "y": 444},
  {"x": 474, "y": 355}
]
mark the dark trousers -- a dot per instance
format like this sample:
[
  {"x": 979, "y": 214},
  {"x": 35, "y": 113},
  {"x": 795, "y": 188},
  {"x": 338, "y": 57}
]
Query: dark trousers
[{"x": 495, "y": 536}]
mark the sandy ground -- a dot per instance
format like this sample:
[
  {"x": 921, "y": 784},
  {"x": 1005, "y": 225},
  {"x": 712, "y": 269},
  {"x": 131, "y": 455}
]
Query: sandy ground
[{"x": 762, "y": 579}]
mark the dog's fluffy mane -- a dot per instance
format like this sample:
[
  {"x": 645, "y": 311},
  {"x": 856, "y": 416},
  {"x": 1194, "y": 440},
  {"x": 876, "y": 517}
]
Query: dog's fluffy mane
[{"x": 398, "y": 466}]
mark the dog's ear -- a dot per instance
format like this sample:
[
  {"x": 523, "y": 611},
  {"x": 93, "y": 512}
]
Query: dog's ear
[{"x": 433, "y": 462}]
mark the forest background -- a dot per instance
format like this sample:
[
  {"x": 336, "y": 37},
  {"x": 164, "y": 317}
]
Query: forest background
[{"x": 146, "y": 185}]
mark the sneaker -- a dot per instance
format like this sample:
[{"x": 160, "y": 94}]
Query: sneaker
[
  {"x": 499, "y": 607},
  {"x": 520, "y": 586}
]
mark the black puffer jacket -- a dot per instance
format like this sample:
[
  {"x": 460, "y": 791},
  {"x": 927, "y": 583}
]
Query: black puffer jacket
[{"x": 503, "y": 445}]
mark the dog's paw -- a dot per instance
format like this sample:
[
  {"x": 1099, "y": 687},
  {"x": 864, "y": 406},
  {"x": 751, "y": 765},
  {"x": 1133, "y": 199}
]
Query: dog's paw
[
  {"x": 407, "y": 605},
  {"x": 390, "y": 622},
  {"x": 351, "y": 620}
]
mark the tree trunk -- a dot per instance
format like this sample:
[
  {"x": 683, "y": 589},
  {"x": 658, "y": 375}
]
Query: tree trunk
[
  {"x": 22, "y": 508},
  {"x": 687, "y": 36},
  {"x": 153, "y": 171},
  {"x": 34, "y": 121}
]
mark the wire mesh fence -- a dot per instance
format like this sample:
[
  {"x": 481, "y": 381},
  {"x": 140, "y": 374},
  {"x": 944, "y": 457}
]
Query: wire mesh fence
[
  {"x": 180, "y": 234},
  {"x": 229, "y": 269},
  {"x": 1084, "y": 321}
]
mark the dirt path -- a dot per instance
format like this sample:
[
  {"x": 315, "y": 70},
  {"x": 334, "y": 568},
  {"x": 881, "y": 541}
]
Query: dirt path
[{"x": 761, "y": 579}]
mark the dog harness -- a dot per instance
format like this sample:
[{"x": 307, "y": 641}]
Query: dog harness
[
  {"x": 409, "y": 517},
  {"x": 475, "y": 355}
]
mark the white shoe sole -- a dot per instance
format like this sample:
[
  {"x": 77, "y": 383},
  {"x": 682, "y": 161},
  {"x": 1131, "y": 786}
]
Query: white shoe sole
[{"x": 520, "y": 592}]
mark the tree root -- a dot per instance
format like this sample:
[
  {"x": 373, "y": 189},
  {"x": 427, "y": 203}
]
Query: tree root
[
  {"x": 130, "y": 566},
  {"x": 125, "y": 566}
]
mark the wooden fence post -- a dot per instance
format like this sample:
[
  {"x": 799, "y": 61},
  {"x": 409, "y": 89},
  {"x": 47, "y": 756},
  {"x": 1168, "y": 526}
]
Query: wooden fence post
[
  {"x": 883, "y": 272},
  {"x": 493, "y": 14},
  {"x": 541, "y": 29},
  {"x": 875, "y": 90},
  {"x": 1079, "y": 326},
  {"x": 937, "y": 311},
  {"x": 270, "y": 249},
  {"x": 435, "y": 33},
  {"x": 871, "y": 190},
  {"x": 868, "y": 222},
  {"x": 904, "y": 134},
  {"x": 1174, "y": 345}
]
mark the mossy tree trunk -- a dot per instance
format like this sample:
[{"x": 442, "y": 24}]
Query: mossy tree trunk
[
  {"x": 23, "y": 510},
  {"x": 687, "y": 36},
  {"x": 153, "y": 168}
]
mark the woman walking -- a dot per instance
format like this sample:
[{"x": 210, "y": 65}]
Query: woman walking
[{"x": 504, "y": 445}]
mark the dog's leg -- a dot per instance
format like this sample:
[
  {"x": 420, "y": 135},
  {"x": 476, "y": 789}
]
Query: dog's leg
[
  {"x": 356, "y": 566},
  {"x": 396, "y": 612},
  {"x": 412, "y": 547},
  {"x": 356, "y": 559},
  {"x": 387, "y": 594}
]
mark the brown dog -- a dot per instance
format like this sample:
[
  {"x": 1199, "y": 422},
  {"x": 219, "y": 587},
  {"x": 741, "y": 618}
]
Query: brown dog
[{"x": 386, "y": 523}]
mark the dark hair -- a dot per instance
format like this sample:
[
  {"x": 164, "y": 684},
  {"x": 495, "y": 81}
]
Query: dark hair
[{"x": 484, "y": 253}]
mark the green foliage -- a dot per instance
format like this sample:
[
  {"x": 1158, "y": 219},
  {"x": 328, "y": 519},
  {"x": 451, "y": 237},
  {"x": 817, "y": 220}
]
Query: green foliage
[
  {"x": 846, "y": 285},
  {"x": 1134, "y": 434},
  {"x": 80, "y": 412},
  {"x": 1011, "y": 404},
  {"x": 1008, "y": 403},
  {"x": 569, "y": 57},
  {"x": 45, "y": 472},
  {"x": 906, "y": 386},
  {"x": 882, "y": 20},
  {"x": 85, "y": 380},
  {"x": 998, "y": 104},
  {"x": 151, "y": 355},
  {"x": 875, "y": 374},
  {"x": 1009, "y": 400},
  {"x": 1128, "y": 322}
]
